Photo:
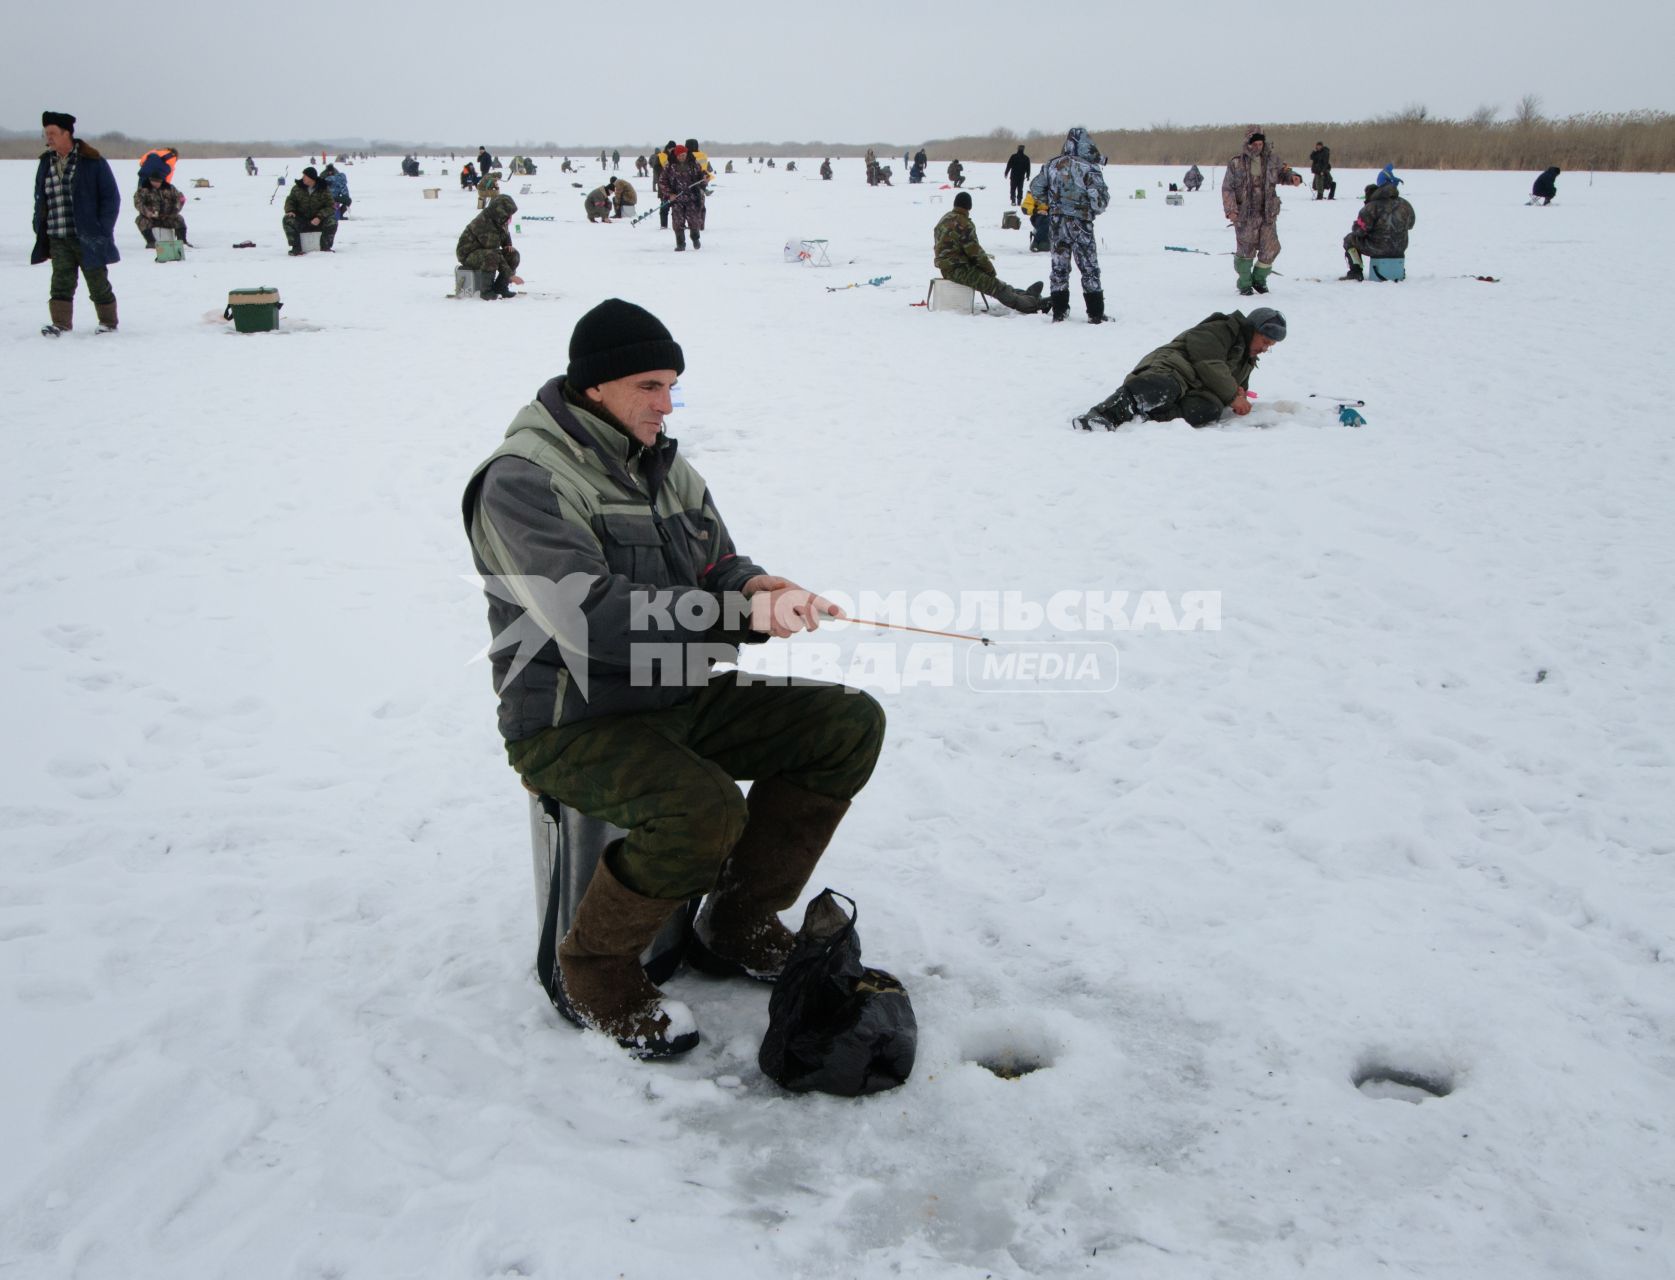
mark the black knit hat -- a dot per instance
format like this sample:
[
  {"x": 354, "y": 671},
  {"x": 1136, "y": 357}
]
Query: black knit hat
[
  {"x": 311, "y": 172},
  {"x": 963, "y": 200},
  {"x": 617, "y": 340},
  {"x": 63, "y": 119}
]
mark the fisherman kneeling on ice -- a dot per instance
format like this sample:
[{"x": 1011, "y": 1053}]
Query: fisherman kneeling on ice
[
  {"x": 613, "y": 587},
  {"x": 1196, "y": 376}
]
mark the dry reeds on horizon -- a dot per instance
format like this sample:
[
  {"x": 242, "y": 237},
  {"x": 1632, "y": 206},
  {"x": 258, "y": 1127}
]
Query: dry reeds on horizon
[{"x": 1638, "y": 141}]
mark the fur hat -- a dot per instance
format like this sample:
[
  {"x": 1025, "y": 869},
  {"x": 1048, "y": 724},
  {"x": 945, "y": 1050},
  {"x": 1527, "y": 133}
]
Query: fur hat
[
  {"x": 61, "y": 119},
  {"x": 1268, "y": 322},
  {"x": 617, "y": 340}
]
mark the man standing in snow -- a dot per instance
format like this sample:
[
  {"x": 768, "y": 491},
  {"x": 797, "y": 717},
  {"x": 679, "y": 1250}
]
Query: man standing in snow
[
  {"x": 1320, "y": 164},
  {"x": 76, "y": 203},
  {"x": 1072, "y": 187},
  {"x": 1196, "y": 376},
  {"x": 681, "y": 184},
  {"x": 1250, "y": 199},
  {"x": 1017, "y": 173},
  {"x": 961, "y": 259},
  {"x": 587, "y": 488}
]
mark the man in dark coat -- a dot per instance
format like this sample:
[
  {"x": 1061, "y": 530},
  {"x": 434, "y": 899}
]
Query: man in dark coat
[
  {"x": 1380, "y": 230},
  {"x": 1546, "y": 186},
  {"x": 1203, "y": 371},
  {"x": 76, "y": 203},
  {"x": 1320, "y": 164},
  {"x": 1017, "y": 173}
]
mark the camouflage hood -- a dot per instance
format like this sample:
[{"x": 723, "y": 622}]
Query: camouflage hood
[
  {"x": 1078, "y": 143},
  {"x": 501, "y": 208},
  {"x": 1251, "y": 133}
]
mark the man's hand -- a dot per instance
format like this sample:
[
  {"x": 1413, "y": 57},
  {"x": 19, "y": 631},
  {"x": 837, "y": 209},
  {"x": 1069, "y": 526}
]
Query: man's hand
[
  {"x": 314, "y": 222},
  {"x": 1241, "y": 405},
  {"x": 517, "y": 279},
  {"x": 779, "y": 607}
]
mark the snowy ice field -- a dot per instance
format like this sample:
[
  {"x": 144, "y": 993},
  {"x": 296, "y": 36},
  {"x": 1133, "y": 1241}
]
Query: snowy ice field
[{"x": 266, "y": 929}]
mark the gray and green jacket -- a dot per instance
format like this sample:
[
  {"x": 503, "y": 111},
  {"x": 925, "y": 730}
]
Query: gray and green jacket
[
  {"x": 575, "y": 527},
  {"x": 1213, "y": 356}
]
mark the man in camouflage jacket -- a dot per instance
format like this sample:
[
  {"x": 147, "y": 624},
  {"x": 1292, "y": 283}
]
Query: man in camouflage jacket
[
  {"x": 614, "y": 588},
  {"x": 1196, "y": 376},
  {"x": 681, "y": 184},
  {"x": 1380, "y": 229},
  {"x": 309, "y": 207},
  {"x": 159, "y": 203},
  {"x": 486, "y": 245},
  {"x": 961, "y": 259},
  {"x": 1250, "y": 199},
  {"x": 1072, "y": 187}
]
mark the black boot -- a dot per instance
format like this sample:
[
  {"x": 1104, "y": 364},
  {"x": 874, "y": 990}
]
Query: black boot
[
  {"x": 1096, "y": 307},
  {"x": 1354, "y": 273},
  {"x": 1018, "y": 299},
  {"x": 150, "y": 239},
  {"x": 1059, "y": 300},
  {"x": 680, "y": 242},
  {"x": 1108, "y": 414},
  {"x": 697, "y": 243},
  {"x": 503, "y": 285}
]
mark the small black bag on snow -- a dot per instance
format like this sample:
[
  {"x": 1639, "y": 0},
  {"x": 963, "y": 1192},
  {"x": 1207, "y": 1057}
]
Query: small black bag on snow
[{"x": 833, "y": 1024}]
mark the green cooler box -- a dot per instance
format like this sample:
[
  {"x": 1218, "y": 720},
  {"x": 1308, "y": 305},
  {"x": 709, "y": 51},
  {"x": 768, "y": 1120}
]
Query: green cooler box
[{"x": 253, "y": 310}]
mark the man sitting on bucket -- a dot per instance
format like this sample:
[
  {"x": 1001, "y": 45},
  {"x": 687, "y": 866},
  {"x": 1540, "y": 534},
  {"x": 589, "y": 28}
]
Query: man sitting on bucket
[{"x": 613, "y": 587}]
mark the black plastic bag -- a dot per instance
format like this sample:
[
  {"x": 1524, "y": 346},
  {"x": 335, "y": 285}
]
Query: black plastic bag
[{"x": 834, "y": 1025}]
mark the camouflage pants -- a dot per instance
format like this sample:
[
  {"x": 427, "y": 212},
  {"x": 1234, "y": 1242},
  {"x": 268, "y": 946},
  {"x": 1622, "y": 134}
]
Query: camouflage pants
[
  {"x": 668, "y": 777},
  {"x": 1073, "y": 237},
  {"x": 1258, "y": 240},
  {"x": 492, "y": 260},
  {"x": 176, "y": 224},
  {"x": 687, "y": 217},
  {"x": 972, "y": 278},
  {"x": 66, "y": 261},
  {"x": 295, "y": 229},
  {"x": 1323, "y": 183}
]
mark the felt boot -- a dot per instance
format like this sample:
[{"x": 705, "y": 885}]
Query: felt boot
[
  {"x": 1259, "y": 277},
  {"x": 738, "y": 932},
  {"x": 1095, "y": 303},
  {"x": 1059, "y": 299},
  {"x": 601, "y": 985},
  {"x": 106, "y": 311},
  {"x": 61, "y": 313}
]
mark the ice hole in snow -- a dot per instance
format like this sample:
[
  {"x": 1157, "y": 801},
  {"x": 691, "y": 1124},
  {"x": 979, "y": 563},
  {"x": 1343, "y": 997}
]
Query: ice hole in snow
[
  {"x": 1009, "y": 1052},
  {"x": 1406, "y": 1086}
]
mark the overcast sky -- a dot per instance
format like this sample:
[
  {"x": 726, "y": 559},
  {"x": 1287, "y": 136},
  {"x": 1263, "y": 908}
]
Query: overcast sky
[{"x": 627, "y": 73}]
